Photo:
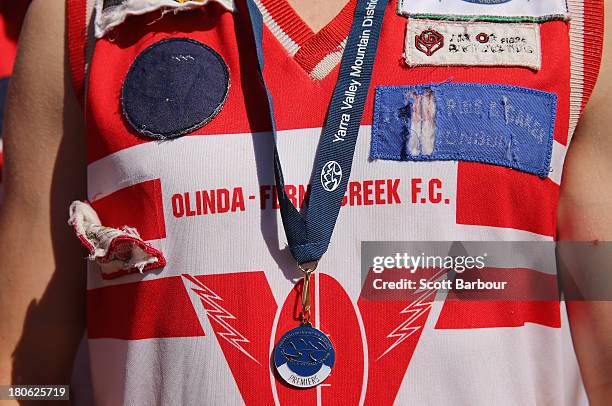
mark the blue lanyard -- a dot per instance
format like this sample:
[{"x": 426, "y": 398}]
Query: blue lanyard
[{"x": 308, "y": 235}]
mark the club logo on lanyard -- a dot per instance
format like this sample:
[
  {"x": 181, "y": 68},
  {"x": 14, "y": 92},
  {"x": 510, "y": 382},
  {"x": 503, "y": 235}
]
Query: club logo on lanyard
[{"x": 331, "y": 175}]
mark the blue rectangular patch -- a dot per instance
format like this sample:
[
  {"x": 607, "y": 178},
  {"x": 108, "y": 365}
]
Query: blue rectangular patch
[{"x": 497, "y": 124}]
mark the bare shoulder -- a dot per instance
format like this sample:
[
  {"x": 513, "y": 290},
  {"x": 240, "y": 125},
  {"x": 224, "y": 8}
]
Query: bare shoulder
[
  {"x": 41, "y": 54},
  {"x": 42, "y": 110}
]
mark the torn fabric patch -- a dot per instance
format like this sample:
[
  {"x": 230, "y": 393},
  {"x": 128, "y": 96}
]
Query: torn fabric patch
[
  {"x": 117, "y": 251},
  {"x": 485, "y": 10},
  {"x": 457, "y": 43},
  {"x": 503, "y": 125},
  {"x": 111, "y": 13}
]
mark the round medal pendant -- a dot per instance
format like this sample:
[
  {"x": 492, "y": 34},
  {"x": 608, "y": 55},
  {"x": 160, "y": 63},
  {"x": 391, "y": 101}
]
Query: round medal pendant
[{"x": 304, "y": 357}]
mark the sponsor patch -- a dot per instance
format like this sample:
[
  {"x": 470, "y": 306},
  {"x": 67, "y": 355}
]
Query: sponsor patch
[
  {"x": 432, "y": 42},
  {"x": 497, "y": 124},
  {"x": 175, "y": 86},
  {"x": 111, "y": 13},
  {"x": 485, "y": 10}
]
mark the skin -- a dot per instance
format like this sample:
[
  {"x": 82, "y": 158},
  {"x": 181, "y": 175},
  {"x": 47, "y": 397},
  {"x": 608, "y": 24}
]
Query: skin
[
  {"x": 317, "y": 13},
  {"x": 42, "y": 272},
  {"x": 585, "y": 214},
  {"x": 42, "y": 280}
]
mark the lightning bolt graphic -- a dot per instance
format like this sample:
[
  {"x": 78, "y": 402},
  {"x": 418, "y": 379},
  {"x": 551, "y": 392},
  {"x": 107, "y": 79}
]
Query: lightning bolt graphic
[
  {"x": 415, "y": 309},
  {"x": 219, "y": 314}
]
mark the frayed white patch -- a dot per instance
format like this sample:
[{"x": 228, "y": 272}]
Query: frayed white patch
[
  {"x": 117, "y": 251},
  {"x": 113, "y": 16},
  {"x": 423, "y": 123},
  {"x": 464, "y": 43}
]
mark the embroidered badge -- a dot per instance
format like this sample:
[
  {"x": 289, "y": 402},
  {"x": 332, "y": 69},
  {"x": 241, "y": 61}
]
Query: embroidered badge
[
  {"x": 485, "y": 10},
  {"x": 503, "y": 125},
  {"x": 111, "y": 13},
  {"x": 428, "y": 41},
  {"x": 175, "y": 86},
  {"x": 432, "y": 42},
  {"x": 118, "y": 252}
]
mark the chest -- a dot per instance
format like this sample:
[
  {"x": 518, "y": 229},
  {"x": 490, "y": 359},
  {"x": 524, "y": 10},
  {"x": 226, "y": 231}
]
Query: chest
[{"x": 217, "y": 179}]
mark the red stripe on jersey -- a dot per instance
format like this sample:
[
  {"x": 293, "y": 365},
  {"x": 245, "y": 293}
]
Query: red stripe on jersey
[
  {"x": 529, "y": 297},
  {"x": 339, "y": 321},
  {"x": 593, "y": 45},
  {"x": 139, "y": 206},
  {"x": 468, "y": 314},
  {"x": 300, "y": 101},
  {"x": 140, "y": 310},
  {"x": 495, "y": 196},
  {"x": 76, "y": 26},
  {"x": 290, "y": 86}
]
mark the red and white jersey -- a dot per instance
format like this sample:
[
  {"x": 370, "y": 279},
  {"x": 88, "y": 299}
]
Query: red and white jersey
[{"x": 200, "y": 330}]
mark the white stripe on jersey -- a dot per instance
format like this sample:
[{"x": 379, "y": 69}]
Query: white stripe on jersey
[{"x": 483, "y": 366}]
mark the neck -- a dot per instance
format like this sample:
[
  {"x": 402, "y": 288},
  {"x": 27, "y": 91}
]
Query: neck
[{"x": 317, "y": 13}]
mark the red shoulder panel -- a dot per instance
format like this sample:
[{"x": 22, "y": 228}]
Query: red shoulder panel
[{"x": 76, "y": 26}]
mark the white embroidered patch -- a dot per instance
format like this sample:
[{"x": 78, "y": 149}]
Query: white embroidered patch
[
  {"x": 539, "y": 10},
  {"x": 111, "y": 13},
  {"x": 448, "y": 43},
  {"x": 117, "y": 251}
]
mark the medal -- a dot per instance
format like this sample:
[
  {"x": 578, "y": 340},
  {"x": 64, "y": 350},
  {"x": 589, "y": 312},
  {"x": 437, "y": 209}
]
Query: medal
[{"x": 304, "y": 356}]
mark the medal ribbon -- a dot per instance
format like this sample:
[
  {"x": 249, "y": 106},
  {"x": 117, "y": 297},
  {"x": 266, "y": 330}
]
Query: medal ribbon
[{"x": 309, "y": 234}]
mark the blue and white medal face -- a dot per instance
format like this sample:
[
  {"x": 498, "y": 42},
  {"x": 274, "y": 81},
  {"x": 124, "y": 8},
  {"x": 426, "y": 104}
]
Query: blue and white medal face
[{"x": 304, "y": 357}]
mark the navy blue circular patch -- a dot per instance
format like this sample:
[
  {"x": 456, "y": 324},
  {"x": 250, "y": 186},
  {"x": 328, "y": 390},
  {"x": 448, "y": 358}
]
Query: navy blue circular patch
[{"x": 175, "y": 86}]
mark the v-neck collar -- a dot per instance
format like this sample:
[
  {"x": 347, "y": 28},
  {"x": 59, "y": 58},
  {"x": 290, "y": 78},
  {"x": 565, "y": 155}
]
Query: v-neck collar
[{"x": 317, "y": 53}]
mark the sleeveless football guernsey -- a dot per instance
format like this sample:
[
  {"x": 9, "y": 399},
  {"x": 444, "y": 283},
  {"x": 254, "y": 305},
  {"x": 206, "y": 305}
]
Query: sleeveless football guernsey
[{"x": 466, "y": 124}]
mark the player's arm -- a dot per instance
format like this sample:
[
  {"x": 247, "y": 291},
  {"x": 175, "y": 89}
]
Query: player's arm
[
  {"x": 585, "y": 214},
  {"x": 42, "y": 280}
]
